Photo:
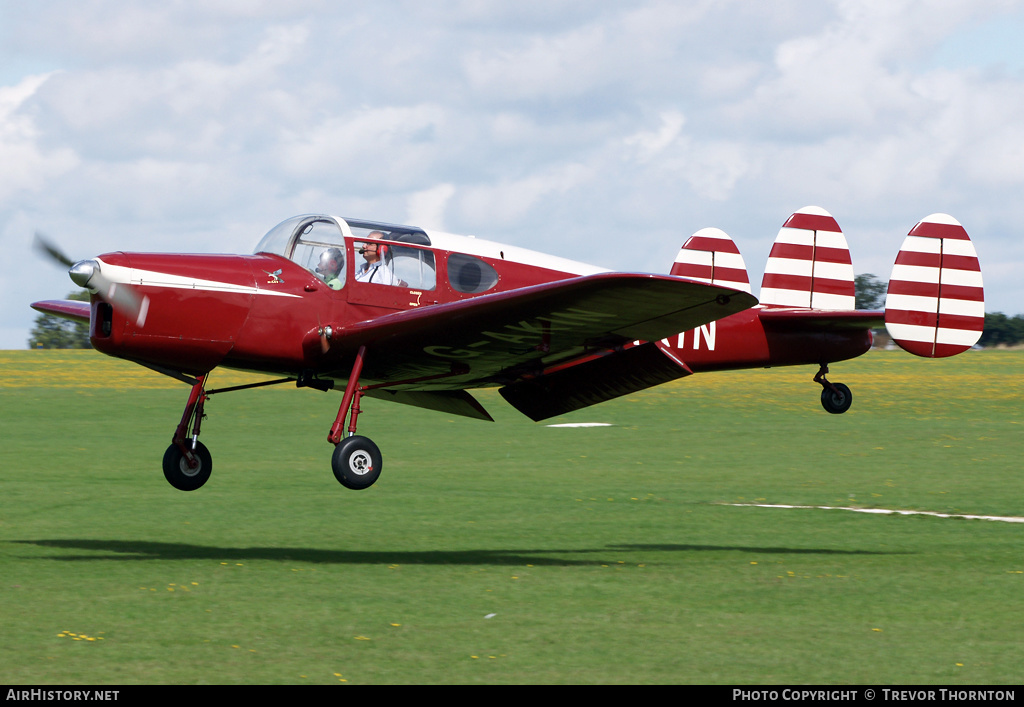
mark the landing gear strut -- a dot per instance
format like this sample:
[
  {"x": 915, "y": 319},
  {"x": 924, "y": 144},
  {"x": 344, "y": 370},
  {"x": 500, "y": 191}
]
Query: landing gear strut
[
  {"x": 356, "y": 460},
  {"x": 187, "y": 462},
  {"x": 835, "y": 397}
]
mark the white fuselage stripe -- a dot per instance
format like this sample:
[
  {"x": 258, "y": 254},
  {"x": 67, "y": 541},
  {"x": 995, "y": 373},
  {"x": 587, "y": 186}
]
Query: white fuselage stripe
[{"x": 151, "y": 278}]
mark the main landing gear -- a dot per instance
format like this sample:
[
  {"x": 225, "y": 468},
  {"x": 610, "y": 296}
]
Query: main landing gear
[
  {"x": 356, "y": 460},
  {"x": 187, "y": 462},
  {"x": 835, "y": 397}
]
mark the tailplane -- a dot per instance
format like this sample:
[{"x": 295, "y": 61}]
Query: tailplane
[
  {"x": 935, "y": 304},
  {"x": 809, "y": 264}
]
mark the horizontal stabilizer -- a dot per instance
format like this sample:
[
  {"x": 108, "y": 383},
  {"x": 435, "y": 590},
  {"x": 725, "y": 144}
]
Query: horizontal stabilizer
[
  {"x": 935, "y": 304},
  {"x": 593, "y": 381},
  {"x": 711, "y": 256},
  {"x": 811, "y": 320},
  {"x": 809, "y": 264}
]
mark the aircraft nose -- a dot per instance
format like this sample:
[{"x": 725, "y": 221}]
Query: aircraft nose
[{"x": 83, "y": 271}]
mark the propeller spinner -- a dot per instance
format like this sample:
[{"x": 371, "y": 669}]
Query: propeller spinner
[{"x": 89, "y": 275}]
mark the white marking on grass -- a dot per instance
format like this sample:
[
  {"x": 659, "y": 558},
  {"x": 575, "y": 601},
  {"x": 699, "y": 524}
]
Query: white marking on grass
[
  {"x": 582, "y": 424},
  {"x": 885, "y": 511}
]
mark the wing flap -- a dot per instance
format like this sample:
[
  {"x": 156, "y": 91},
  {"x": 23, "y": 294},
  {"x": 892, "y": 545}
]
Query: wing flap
[
  {"x": 593, "y": 381},
  {"x": 455, "y": 402}
]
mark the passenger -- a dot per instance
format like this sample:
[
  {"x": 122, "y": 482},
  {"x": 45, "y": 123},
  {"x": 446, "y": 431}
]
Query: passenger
[
  {"x": 329, "y": 268},
  {"x": 374, "y": 269}
]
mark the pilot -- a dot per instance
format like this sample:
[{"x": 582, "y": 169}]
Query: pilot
[
  {"x": 329, "y": 268},
  {"x": 374, "y": 269}
]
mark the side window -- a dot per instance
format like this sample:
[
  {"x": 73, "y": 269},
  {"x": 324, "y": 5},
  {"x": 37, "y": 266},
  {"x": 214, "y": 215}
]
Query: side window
[
  {"x": 414, "y": 267},
  {"x": 383, "y": 259},
  {"x": 470, "y": 275}
]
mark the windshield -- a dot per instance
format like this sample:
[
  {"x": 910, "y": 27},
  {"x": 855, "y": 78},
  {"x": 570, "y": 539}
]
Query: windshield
[{"x": 315, "y": 242}]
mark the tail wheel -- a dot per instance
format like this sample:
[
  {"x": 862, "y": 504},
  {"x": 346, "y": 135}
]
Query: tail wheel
[
  {"x": 180, "y": 474},
  {"x": 356, "y": 462},
  {"x": 836, "y": 398}
]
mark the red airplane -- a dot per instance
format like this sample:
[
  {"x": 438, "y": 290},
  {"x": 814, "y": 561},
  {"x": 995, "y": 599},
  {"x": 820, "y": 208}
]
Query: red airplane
[{"x": 417, "y": 317}]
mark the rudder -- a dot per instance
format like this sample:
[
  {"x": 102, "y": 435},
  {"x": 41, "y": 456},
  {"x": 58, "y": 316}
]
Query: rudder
[
  {"x": 711, "y": 256},
  {"x": 935, "y": 304},
  {"x": 809, "y": 264}
]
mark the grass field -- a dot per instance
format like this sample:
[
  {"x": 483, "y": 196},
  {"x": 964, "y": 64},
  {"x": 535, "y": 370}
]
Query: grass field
[{"x": 513, "y": 552}]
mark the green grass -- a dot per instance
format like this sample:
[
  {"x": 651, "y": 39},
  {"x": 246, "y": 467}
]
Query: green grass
[{"x": 601, "y": 555}]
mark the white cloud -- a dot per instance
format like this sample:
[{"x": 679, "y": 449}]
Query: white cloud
[
  {"x": 558, "y": 126},
  {"x": 24, "y": 165},
  {"x": 650, "y": 144},
  {"x": 509, "y": 201},
  {"x": 569, "y": 64},
  {"x": 427, "y": 207}
]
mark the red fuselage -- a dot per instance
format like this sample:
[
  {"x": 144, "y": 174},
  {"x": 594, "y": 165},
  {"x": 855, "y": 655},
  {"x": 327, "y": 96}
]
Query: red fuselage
[
  {"x": 748, "y": 340},
  {"x": 280, "y": 311},
  {"x": 263, "y": 313},
  {"x": 258, "y": 312}
]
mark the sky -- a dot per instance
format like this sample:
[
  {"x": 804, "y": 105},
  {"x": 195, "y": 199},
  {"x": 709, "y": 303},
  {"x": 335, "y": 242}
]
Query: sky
[{"x": 602, "y": 131}]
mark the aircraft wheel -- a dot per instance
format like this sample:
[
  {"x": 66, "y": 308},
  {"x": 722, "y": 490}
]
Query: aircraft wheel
[
  {"x": 356, "y": 462},
  {"x": 180, "y": 475},
  {"x": 836, "y": 401}
]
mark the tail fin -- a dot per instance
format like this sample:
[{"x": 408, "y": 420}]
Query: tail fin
[
  {"x": 709, "y": 255},
  {"x": 935, "y": 305},
  {"x": 809, "y": 264}
]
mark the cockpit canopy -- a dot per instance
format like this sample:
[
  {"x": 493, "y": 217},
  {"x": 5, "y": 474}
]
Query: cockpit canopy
[{"x": 311, "y": 239}]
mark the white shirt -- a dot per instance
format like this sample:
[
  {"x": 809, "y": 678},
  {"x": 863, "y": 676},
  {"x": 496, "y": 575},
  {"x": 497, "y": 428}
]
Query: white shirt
[{"x": 377, "y": 273}]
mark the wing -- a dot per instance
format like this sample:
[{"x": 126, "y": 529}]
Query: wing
[
  {"x": 593, "y": 380},
  {"x": 821, "y": 320},
  {"x": 67, "y": 309},
  {"x": 500, "y": 338}
]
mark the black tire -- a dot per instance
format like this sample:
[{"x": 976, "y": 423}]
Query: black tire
[
  {"x": 836, "y": 401},
  {"x": 356, "y": 462},
  {"x": 180, "y": 475}
]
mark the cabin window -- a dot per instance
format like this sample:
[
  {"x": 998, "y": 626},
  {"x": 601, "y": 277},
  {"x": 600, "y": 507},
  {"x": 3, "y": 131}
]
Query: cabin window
[
  {"x": 414, "y": 267},
  {"x": 387, "y": 260},
  {"x": 470, "y": 275}
]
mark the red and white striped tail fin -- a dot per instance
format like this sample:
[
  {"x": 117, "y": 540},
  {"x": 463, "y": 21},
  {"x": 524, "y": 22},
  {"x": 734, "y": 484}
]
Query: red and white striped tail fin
[
  {"x": 709, "y": 255},
  {"x": 935, "y": 305},
  {"x": 809, "y": 264}
]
